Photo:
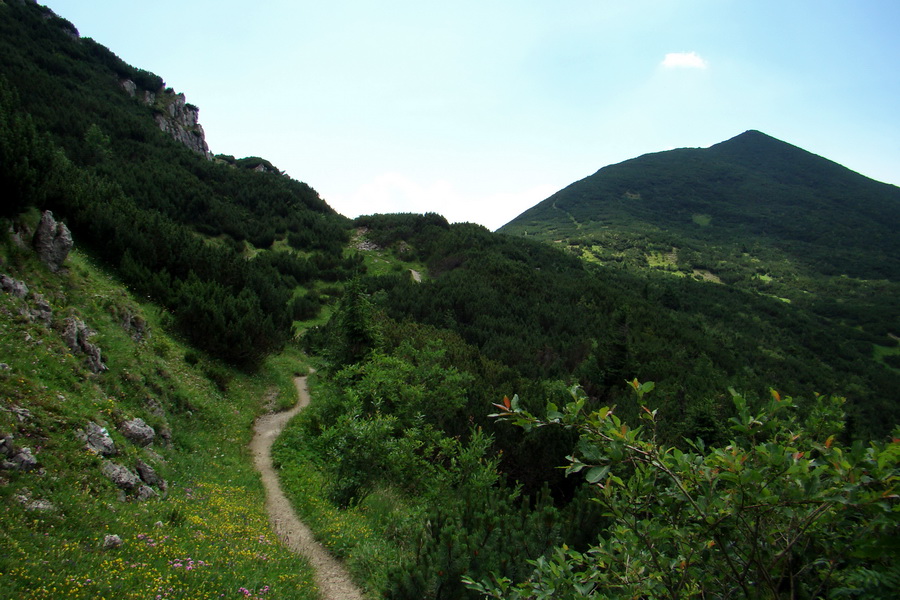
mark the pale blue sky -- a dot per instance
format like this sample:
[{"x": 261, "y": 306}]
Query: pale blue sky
[{"x": 480, "y": 109}]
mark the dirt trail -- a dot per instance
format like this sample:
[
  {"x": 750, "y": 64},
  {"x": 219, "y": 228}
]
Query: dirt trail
[{"x": 331, "y": 577}]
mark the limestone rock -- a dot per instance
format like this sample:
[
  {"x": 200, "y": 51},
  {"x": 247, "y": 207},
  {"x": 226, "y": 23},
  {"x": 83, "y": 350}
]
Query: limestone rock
[
  {"x": 40, "y": 505},
  {"x": 41, "y": 310},
  {"x": 149, "y": 476},
  {"x": 97, "y": 439},
  {"x": 122, "y": 477},
  {"x": 24, "y": 460},
  {"x": 129, "y": 86},
  {"x": 52, "y": 241},
  {"x": 138, "y": 432},
  {"x": 22, "y": 414},
  {"x": 135, "y": 325},
  {"x": 13, "y": 458},
  {"x": 112, "y": 541},
  {"x": 145, "y": 492},
  {"x": 7, "y": 447},
  {"x": 13, "y": 286},
  {"x": 76, "y": 335},
  {"x": 181, "y": 121}
]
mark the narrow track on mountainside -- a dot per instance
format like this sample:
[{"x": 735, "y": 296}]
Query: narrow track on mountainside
[{"x": 332, "y": 578}]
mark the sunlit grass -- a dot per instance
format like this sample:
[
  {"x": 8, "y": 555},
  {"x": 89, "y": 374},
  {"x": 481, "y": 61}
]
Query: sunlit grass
[
  {"x": 881, "y": 352},
  {"x": 208, "y": 536},
  {"x": 207, "y": 541}
]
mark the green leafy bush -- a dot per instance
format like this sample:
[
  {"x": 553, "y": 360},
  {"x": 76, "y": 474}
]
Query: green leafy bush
[{"x": 783, "y": 511}]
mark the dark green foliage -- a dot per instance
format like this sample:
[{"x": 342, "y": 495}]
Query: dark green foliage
[
  {"x": 548, "y": 315},
  {"x": 352, "y": 333},
  {"x": 892, "y": 360},
  {"x": 27, "y": 158},
  {"x": 783, "y": 510},
  {"x": 405, "y": 417},
  {"x": 757, "y": 213},
  {"x": 144, "y": 203},
  {"x": 473, "y": 534}
]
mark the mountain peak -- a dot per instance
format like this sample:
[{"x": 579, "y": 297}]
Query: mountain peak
[
  {"x": 752, "y": 139},
  {"x": 752, "y": 186}
]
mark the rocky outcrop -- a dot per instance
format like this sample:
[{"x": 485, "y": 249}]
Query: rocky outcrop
[
  {"x": 150, "y": 477},
  {"x": 138, "y": 432},
  {"x": 361, "y": 242},
  {"x": 145, "y": 492},
  {"x": 13, "y": 287},
  {"x": 139, "y": 484},
  {"x": 35, "y": 308},
  {"x": 96, "y": 439},
  {"x": 135, "y": 325},
  {"x": 14, "y": 458},
  {"x": 129, "y": 86},
  {"x": 173, "y": 115},
  {"x": 52, "y": 241},
  {"x": 33, "y": 505},
  {"x": 122, "y": 477},
  {"x": 76, "y": 335},
  {"x": 40, "y": 505},
  {"x": 40, "y": 310},
  {"x": 181, "y": 120}
]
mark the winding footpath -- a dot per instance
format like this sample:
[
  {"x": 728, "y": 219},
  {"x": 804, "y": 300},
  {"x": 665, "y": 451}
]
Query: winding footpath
[{"x": 331, "y": 576}]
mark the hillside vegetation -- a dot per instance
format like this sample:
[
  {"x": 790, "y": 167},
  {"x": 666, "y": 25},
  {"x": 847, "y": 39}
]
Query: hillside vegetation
[
  {"x": 176, "y": 226},
  {"x": 754, "y": 213},
  {"x": 188, "y": 519},
  {"x": 478, "y": 425}
]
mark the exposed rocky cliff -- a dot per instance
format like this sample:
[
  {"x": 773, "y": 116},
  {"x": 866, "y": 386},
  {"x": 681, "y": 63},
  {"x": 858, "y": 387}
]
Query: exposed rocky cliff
[{"x": 173, "y": 115}]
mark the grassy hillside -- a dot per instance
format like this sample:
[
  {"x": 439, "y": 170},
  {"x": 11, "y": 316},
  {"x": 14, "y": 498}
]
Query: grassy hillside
[{"x": 201, "y": 534}]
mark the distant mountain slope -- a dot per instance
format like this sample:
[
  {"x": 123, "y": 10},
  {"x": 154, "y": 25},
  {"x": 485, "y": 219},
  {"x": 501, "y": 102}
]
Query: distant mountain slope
[
  {"x": 753, "y": 212},
  {"x": 750, "y": 188}
]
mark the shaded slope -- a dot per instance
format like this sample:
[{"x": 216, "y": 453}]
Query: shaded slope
[{"x": 79, "y": 136}]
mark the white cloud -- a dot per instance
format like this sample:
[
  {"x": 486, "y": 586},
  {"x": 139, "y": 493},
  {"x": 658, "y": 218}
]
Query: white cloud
[
  {"x": 684, "y": 60},
  {"x": 395, "y": 193}
]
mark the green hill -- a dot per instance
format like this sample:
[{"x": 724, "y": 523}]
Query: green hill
[
  {"x": 124, "y": 465},
  {"x": 748, "y": 192},
  {"x": 753, "y": 212},
  {"x": 752, "y": 190}
]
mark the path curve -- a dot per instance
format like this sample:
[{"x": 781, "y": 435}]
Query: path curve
[{"x": 331, "y": 576}]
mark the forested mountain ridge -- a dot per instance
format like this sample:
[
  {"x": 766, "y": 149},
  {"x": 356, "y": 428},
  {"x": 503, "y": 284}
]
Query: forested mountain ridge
[
  {"x": 124, "y": 165},
  {"x": 752, "y": 189},
  {"x": 754, "y": 213}
]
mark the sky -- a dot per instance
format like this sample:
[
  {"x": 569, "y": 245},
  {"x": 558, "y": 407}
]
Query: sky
[{"x": 478, "y": 110}]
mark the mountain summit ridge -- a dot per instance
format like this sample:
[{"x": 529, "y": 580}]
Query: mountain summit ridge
[{"x": 752, "y": 187}]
